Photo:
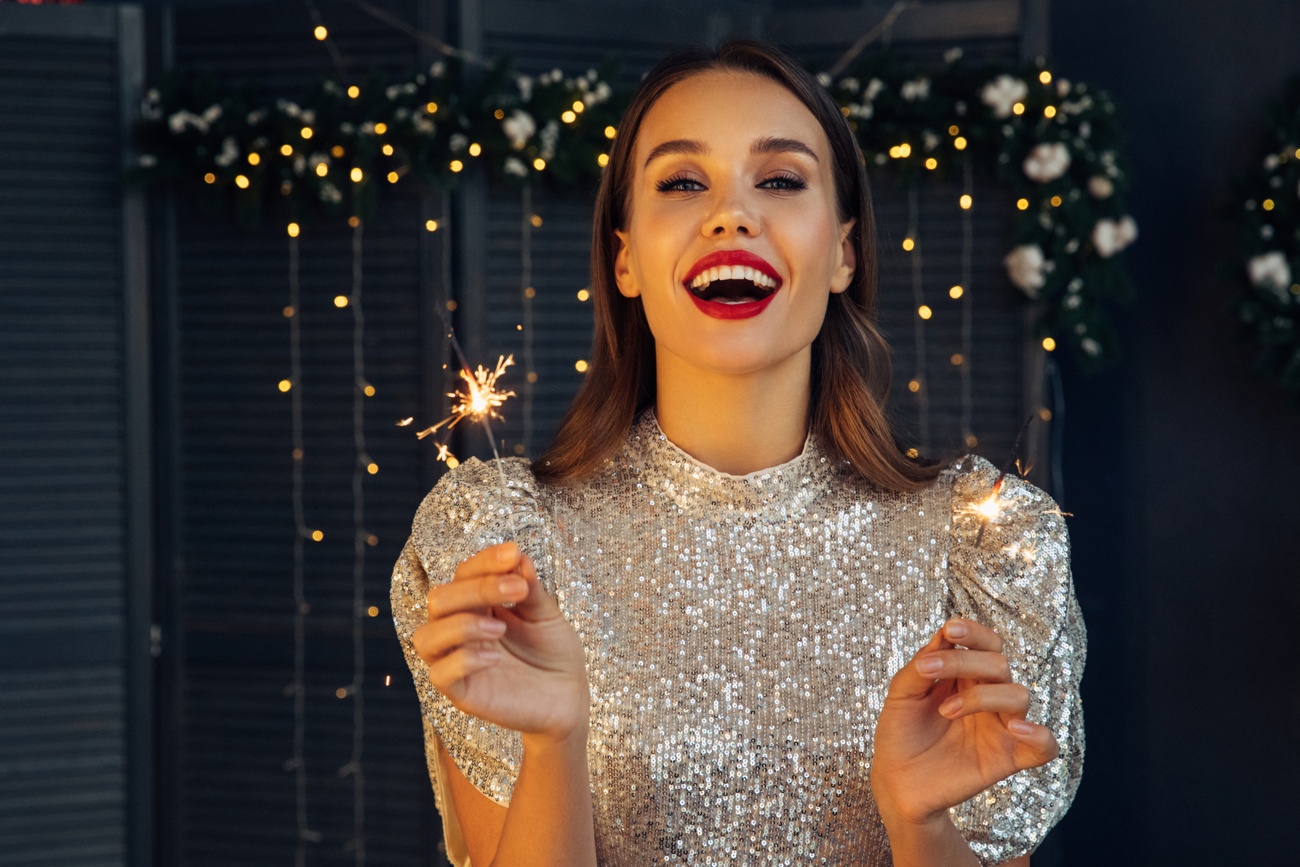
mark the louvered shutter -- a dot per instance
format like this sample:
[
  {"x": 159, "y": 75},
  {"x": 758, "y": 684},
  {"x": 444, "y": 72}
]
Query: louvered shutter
[{"x": 74, "y": 460}]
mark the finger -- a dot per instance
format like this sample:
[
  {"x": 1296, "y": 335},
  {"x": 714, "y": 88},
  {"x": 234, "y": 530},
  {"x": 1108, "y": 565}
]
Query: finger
[
  {"x": 475, "y": 593},
  {"x": 972, "y": 634},
  {"x": 490, "y": 561},
  {"x": 538, "y": 604},
  {"x": 1000, "y": 698},
  {"x": 1035, "y": 744},
  {"x": 971, "y": 664},
  {"x": 908, "y": 682},
  {"x": 433, "y": 640},
  {"x": 448, "y": 673}
]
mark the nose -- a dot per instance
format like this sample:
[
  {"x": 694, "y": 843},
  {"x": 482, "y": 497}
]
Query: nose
[{"x": 731, "y": 216}]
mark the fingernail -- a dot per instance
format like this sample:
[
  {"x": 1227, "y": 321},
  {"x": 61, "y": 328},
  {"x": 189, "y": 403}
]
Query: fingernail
[
  {"x": 951, "y": 706},
  {"x": 929, "y": 665},
  {"x": 489, "y": 654},
  {"x": 506, "y": 554},
  {"x": 512, "y": 587},
  {"x": 1020, "y": 727},
  {"x": 494, "y": 628},
  {"x": 956, "y": 630}
]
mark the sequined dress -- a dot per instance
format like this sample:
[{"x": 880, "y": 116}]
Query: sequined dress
[{"x": 740, "y": 633}]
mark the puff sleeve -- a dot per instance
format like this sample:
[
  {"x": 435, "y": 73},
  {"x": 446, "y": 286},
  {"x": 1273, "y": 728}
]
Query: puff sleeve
[
  {"x": 1014, "y": 577},
  {"x": 468, "y": 510}
]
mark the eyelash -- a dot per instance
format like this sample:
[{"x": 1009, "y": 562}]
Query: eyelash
[{"x": 674, "y": 184}]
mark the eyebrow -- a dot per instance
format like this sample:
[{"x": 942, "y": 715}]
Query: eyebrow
[{"x": 695, "y": 147}]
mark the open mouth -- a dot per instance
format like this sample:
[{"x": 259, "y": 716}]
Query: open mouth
[{"x": 732, "y": 284}]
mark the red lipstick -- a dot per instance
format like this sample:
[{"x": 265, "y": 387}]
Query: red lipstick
[{"x": 734, "y": 259}]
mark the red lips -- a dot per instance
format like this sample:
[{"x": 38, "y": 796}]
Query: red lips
[{"x": 734, "y": 259}]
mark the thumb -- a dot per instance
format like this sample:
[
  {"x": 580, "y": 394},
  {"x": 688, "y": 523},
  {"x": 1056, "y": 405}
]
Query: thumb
[
  {"x": 538, "y": 604},
  {"x": 912, "y": 683}
]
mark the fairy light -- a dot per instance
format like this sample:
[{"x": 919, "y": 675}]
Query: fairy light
[
  {"x": 209, "y": 178},
  {"x": 955, "y": 292},
  {"x": 610, "y": 132},
  {"x": 914, "y": 386},
  {"x": 1022, "y": 204},
  {"x": 1045, "y": 77},
  {"x": 317, "y": 536},
  {"x": 372, "y": 468},
  {"x": 320, "y": 33},
  {"x": 966, "y": 201},
  {"x": 322, "y": 170},
  {"x": 356, "y": 175},
  {"x": 431, "y": 107},
  {"x": 960, "y": 143},
  {"x": 931, "y": 164},
  {"x": 431, "y": 225},
  {"x": 579, "y": 106},
  {"x": 568, "y": 117},
  {"x": 381, "y": 128},
  {"x": 373, "y": 611},
  {"x": 539, "y": 164},
  {"x": 584, "y": 294},
  {"x": 241, "y": 181},
  {"x": 306, "y": 132},
  {"x": 924, "y": 312},
  {"x": 957, "y": 359},
  {"x": 285, "y": 385},
  {"x": 536, "y": 221},
  {"x": 1269, "y": 204},
  {"x": 475, "y": 149},
  {"x": 909, "y": 245},
  {"x": 1049, "y": 112},
  {"x": 456, "y": 165},
  {"x": 602, "y": 160},
  {"x": 293, "y": 230},
  {"x": 1018, "y": 109},
  {"x": 388, "y": 149},
  {"x": 1056, "y": 201},
  {"x": 286, "y": 150},
  {"x": 340, "y": 301},
  {"x": 528, "y": 222},
  {"x": 499, "y": 114},
  {"x": 1049, "y": 344},
  {"x": 353, "y": 91},
  {"x": 392, "y": 177},
  {"x": 254, "y": 158},
  {"x": 918, "y": 327},
  {"x": 581, "y": 365},
  {"x": 369, "y": 390}
]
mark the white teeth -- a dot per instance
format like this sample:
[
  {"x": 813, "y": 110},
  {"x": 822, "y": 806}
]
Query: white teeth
[
  {"x": 733, "y": 272},
  {"x": 724, "y": 272},
  {"x": 714, "y": 274}
]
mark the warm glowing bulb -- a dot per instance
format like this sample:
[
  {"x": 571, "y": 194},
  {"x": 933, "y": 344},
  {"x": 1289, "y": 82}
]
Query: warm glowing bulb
[
  {"x": 913, "y": 453},
  {"x": 356, "y": 175},
  {"x": 580, "y": 365},
  {"x": 955, "y": 292},
  {"x": 209, "y": 178},
  {"x": 1023, "y": 204},
  {"x": 431, "y": 225},
  {"x": 317, "y": 535},
  {"x": 373, "y": 610},
  {"x": 286, "y": 150},
  {"x": 532, "y": 376},
  {"x": 530, "y": 292},
  {"x": 387, "y": 149},
  {"x": 452, "y": 305},
  {"x": 602, "y": 160},
  {"x": 1049, "y": 344},
  {"x": 340, "y": 301},
  {"x": 456, "y": 165},
  {"x": 909, "y": 245},
  {"x": 579, "y": 105},
  {"x": 914, "y": 386},
  {"x": 1049, "y": 112},
  {"x": 285, "y": 385},
  {"x": 610, "y": 132},
  {"x": 539, "y": 164},
  {"x": 354, "y": 221},
  {"x": 254, "y": 159},
  {"x": 966, "y": 202},
  {"x": 293, "y": 230},
  {"x": 568, "y": 117},
  {"x": 431, "y": 107},
  {"x": 932, "y": 164},
  {"x": 1045, "y": 414},
  {"x": 381, "y": 128},
  {"x": 321, "y": 33},
  {"x": 499, "y": 114},
  {"x": 536, "y": 220},
  {"x": 954, "y": 129},
  {"x": 307, "y": 132},
  {"x": 392, "y": 177},
  {"x": 1045, "y": 77},
  {"x": 322, "y": 169},
  {"x": 583, "y": 294},
  {"x": 372, "y": 468},
  {"x": 475, "y": 149},
  {"x": 1018, "y": 108},
  {"x": 241, "y": 182},
  {"x": 1056, "y": 201},
  {"x": 452, "y": 463},
  {"x": 287, "y": 311},
  {"x": 957, "y": 359},
  {"x": 369, "y": 390},
  {"x": 959, "y": 143},
  {"x": 1269, "y": 204},
  {"x": 354, "y": 92},
  {"x": 924, "y": 311}
]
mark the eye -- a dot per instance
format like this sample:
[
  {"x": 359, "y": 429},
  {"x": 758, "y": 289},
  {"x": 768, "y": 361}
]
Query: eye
[
  {"x": 783, "y": 181},
  {"x": 679, "y": 184}
]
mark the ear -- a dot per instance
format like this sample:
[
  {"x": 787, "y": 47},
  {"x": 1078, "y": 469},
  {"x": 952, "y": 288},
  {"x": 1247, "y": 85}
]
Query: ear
[
  {"x": 848, "y": 258},
  {"x": 622, "y": 267}
]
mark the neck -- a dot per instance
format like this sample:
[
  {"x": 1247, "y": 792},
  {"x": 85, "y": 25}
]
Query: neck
[{"x": 735, "y": 423}]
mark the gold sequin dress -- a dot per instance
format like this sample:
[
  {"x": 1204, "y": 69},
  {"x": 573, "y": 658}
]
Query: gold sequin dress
[{"x": 740, "y": 634}]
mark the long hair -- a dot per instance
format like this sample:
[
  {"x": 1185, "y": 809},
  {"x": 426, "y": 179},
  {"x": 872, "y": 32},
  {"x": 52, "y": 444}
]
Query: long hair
[{"x": 851, "y": 366}]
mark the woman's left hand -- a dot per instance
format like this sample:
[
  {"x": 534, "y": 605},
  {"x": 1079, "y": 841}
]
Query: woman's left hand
[{"x": 952, "y": 725}]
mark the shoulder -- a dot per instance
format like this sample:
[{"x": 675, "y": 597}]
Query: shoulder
[
  {"x": 1003, "y": 506},
  {"x": 473, "y": 501}
]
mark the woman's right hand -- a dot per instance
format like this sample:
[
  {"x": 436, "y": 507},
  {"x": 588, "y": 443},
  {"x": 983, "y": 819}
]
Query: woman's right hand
[{"x": 520, "y": 667}]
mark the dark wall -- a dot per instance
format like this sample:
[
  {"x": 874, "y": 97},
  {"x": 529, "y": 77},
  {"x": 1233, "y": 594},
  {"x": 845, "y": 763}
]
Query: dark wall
[{"x": 1181, "y": 469}]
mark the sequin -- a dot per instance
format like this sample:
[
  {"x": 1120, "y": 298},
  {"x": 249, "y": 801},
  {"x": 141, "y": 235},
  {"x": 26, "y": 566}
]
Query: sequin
[{"x": 740, "y": 633}]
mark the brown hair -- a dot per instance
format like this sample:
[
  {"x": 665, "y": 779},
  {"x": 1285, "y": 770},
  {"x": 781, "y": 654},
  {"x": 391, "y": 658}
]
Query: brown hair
[{"x": 851, "y": 365}]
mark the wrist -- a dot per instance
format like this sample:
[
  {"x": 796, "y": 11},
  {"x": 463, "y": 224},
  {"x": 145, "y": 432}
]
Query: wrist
[{"x": 560, "y": 741}]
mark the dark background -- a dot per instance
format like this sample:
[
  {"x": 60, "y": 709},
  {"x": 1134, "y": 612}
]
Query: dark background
[{"x": 1181, "y": 472}]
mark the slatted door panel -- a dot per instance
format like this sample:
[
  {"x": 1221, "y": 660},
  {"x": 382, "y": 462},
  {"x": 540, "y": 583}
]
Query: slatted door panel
[
  {"x": 66, "y": 548},
  {"x": 234, "y": 799}
]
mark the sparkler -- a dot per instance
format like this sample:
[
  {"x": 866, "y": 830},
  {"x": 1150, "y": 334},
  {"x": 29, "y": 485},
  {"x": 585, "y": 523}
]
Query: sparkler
[{"x": 990, "y": 508}]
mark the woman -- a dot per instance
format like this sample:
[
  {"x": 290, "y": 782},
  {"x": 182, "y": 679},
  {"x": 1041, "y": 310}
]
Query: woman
[{"x": 736, "y": 624}]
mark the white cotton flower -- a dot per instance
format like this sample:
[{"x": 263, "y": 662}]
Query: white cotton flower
[
  {"x": 1027, "y": 268},
  {"x": 1047, "y": 162},
  {"x": 299, "y": 164},
  {"x": 1271, "y": 162},
  {"x": 1062, "y": 87},
  {"x": 874, "y": 87},
  {"x": 1073, "y": 302},
  {"x": 457, "y": 142},
  {"x": 602, "y": 91},
  {"x": 916, "y": 89},
  {"x": 930, "y": 140},
  {"x": 288, "y": 108},
  {"x": 1002, "y": 93},
  {"x": 392, "y": 91},
  {"x": 148, "y": 161},
  {"x": 1111, "y": 236},
  {"x": 514, "y": 166},
  {"x": 824, "y": 79},
  {"x": 437, "y": 69},
  {"x": 330, "y": 193},
  {"x": 229, "y": 153},
  {"x": 549, "y": 136},
  {"x": 424, "y": 125},
  {"x": 850, "y": 84},
  {"x": 1101, "y": 187},
  {"x": 1090, "y": 346},
  {"x": 1270, "y": 270},
  {"x": 525, "y": 85},
  {"x": 519, "y": 128},
  {"x": 256, "y": 116},
  {"x": 952, "y": 55},
  {"x": 211, "y": 113}
]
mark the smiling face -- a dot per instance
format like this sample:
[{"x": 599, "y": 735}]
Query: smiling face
[{"x": 733, "y": 240}]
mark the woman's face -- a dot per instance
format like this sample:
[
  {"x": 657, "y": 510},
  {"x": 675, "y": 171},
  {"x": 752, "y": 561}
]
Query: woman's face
[{"x": 733, "y": 242}]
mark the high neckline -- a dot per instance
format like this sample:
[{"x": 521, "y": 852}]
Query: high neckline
[{"x": 768, "y": 494}]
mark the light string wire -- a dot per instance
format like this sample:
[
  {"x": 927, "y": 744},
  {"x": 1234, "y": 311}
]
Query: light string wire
[
  {"x": 359, "y": 543},
  {"x": 881, "y": 30},
  {"x": 340, "y": 63},
  {"x": 527, "y": 291},
  {"x": 918, "y": 327},
  {"x": 967, "y": 307},
  {"x": 298, "y": 688}
]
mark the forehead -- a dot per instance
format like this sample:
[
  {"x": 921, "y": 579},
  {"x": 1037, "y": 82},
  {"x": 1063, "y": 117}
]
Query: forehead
[{"x": 729, "y": 107}]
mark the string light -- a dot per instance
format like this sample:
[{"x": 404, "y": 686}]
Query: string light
[
  {"x": 954, "y": 130},
  {"x": 909, "y": 245},
  {"x": 320, "y": 33},
  {"x": 254, "y": 158},
  {"x": 1045, "y": 77},
  {"x": 499, "y": 114},
  {"x": 307, "y": 132},
  {"x": 372, "y": 468},
  {"x": 369, "y": 390},
  {"x": 353, "y": 91},
  {"x": 528, "y": 221},
  {"x": 579, "y": 105},
  {"x": 340, "y": 301},
  {"x": 602, "y": 160},
  {"x": 568, "y": 117},
  {"x": 932, "y": 164},
  {"x": 580, "y": 365},
  {"x": 957, "y": 359},
  {"x": 918, "y": 327},
  {"x": 241, "y": 181},
  {"x": 293, "y": 230},
  {"x": 913, "y": 386},
  {"x": 1022, "y": 204},
  {"x": 285, "y": 385},
  {"x": 960, "y": 143},
  {"x": 475, "y": 149},
  {"x": 431, "y": 225},
  {"x": 1049, "y": 112},
  {"x": 966, "y": 202},
  {"x": 209, "y": 178},
  {"x": 1269, "y": 204},
  {"x": 392, "y": 177},
  {"x": 1018, "y": 109},
  {"x": 539, "y": 164},
  {"x": 584, "y": 294},
  {"x": 356, "y": 175},
  {"x": 373, "y": 610},
  {"x": 536, "y": 221},
  {"x": 955, "y": 292},
  {"x": 286, "y": 150},
  {"x": 388, "y": 149},
  {"x": 456, "y": 165},
  {"x": 322, "y": 170},
  {"x": 381, "y": 128},
  {"x": 924, "y": 312},
  {"x": 431, "y": 107},
  {"x": 1056, "y": 201},
  {"x": 1049, "y": 344},
  {"x": 610, "y": 132}
]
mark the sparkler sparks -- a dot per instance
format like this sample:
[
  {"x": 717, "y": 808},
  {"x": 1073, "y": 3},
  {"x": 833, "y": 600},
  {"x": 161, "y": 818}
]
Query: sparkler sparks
[{"x": 479, "y": 399}]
